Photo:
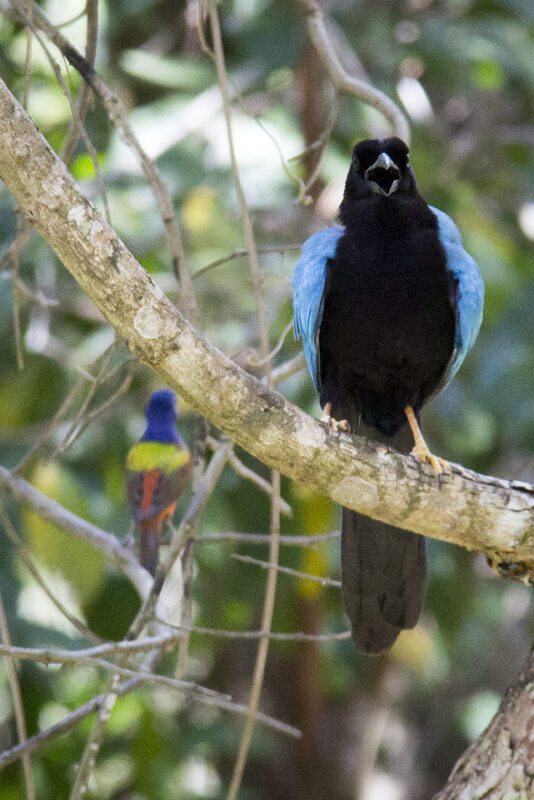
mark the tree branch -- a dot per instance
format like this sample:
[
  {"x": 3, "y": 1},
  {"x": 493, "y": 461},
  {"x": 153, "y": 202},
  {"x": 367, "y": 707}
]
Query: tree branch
[
  {"x": 71, "y": 720},
  {"x": 500, "y": 763},
  {"x": 471, "y": 510},
  {"x": 345, "y": 83},
  {"x": 55, "y": 513},
  {"x": 30, "y": 14},
  {"x": 18, "y": 705}
]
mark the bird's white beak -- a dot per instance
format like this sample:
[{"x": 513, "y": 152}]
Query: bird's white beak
[{"x": 383, "y": 176}]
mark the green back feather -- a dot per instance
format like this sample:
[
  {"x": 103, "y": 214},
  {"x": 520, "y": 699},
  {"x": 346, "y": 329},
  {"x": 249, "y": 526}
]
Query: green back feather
[{"x": 145, "y": 456}]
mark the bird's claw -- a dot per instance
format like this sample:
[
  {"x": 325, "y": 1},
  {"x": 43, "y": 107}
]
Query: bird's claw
[
  {"x": 334, "y": 425},
  {"x": 439, "y": 465}
]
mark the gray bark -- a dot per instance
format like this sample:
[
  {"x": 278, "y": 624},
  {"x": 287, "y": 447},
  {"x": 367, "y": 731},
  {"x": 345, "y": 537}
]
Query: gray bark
[{"x": 499, "y": 765}]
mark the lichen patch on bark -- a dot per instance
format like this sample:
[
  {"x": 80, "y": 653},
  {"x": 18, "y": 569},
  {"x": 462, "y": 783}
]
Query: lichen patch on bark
[{"x": 149, "y": 323}]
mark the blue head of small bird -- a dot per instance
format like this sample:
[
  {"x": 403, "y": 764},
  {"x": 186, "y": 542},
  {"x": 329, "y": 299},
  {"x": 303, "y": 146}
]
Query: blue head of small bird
[
  {"x": 161, "y": 413},
  {"x": 379, "y": 168}
]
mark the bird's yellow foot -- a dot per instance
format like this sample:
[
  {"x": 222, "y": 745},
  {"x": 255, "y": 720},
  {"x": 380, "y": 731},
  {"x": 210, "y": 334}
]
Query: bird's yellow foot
[
  {"x": 421, "y": 449},
  {"x": 439, "y": 465},
  {"x": 336, "y": 426}
]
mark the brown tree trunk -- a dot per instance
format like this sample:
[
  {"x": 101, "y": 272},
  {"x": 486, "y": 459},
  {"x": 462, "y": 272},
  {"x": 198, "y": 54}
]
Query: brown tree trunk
[{"x": 499, "y": 765}]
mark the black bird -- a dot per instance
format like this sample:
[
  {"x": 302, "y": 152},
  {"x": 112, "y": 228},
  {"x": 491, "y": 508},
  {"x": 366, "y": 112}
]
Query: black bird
[{"x": 387, "y": 305}]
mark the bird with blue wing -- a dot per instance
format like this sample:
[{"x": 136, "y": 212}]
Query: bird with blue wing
[
  {"x": 387, "y": 305},
  {"x": 158, "y": 470}
]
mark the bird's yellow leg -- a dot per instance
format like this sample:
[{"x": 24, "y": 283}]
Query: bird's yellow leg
[
  {"x": 421, "y": 449},
  {"x": 335, "y": 425}
]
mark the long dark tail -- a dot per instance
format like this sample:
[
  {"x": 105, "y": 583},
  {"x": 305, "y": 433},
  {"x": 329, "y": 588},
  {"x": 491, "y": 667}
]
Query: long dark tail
[
  {"x": 383, "y": 571},
  {"x": 149, "y": 536}
]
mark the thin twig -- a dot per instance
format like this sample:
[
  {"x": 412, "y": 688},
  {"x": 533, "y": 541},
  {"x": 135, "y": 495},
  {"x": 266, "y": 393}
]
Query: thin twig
[
  {"x": 345, "y": 83},
  {"x": 248, "y": 474},
  {"x": 36, "y": 297},
  {"x": 119, "y": 118},
  {"x": 71, "y": 720},
  {"x": 69, "y": 437},
  {"x": 187, "y": 555},
  {"x": 263, "y": 538},
  {"x": 75, "y": 657},
  {"x": 255, "y": 272},
  {"x": 261, "y": 658},
  {"x": 254, "y": 362},
  {"x": 320, "y": 145},
  {"x": 287, "y": 571},
  {"x": 242, "y": 252},
  {"x": 256, "y": 277},
  {"x": 81, "y": 129},
  {"x": 52, "y": 426},
  {"x": 55, "y": 655},
  {"x": 18, "y": 705},
  {"x": 27, "y": 70},
  {"x": 24, "y": 554},
  {"x": 94, "y": 741},
  {"x": 289, "y": 368},
  {"x": 86, "y": 418},
  {"x": 67, "y": 723},
  {"x": 182, "y": 541},
  {"x": 83, "y": 100},
  {"x": 295, "y": 636},
  {"x": 53, "y": 512},
  {"x": 21, "y": 224},
  {"x": 22, "y": 237}
]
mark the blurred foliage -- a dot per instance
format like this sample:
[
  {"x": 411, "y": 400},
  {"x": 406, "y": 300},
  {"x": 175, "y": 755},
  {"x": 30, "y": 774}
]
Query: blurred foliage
[{"x": 470, "y": 98}]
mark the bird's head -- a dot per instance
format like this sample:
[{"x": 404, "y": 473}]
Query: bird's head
[
  {"x": 161, "y": 413},
  {"x": 380, "y": 167},
  {"x": 162, "y": 405}
]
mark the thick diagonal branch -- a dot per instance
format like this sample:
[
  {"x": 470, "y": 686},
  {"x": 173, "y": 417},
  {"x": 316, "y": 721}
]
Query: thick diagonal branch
[{"x": 470, "y": 510}]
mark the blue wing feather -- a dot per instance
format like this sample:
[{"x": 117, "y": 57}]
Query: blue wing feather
[
  {"x": 469, "y": 292},
  {"x": 309, "y": 280},
  {"x": 310, "y": 276}
]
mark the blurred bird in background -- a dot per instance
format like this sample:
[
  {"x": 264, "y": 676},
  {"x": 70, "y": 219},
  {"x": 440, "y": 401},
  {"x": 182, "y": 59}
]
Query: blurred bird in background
[
  {"x": 158, "y": 469},
  {"x": 387, "y": 304}
]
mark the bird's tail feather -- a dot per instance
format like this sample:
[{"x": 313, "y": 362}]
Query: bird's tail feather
[
  {"x": 149, "y": 536},
  {"x": 383, "y": 571}
]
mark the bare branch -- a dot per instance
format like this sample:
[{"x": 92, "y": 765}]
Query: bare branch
[
  {"x": 262, "y": 538},
  {"x": 15, "y": 281},
  {"x": 288, "y": 571},
  {"x": 242, "y": 252},
  {"x": 249, "y": 475},
  {"x": 100, "y": 651},
  {"x": 276, "y": 637},
  {"x": 477, "y": 512},
  {"x": 72, "y": 719},
  {"x": 289, "y": 368},
  {"x": 263, "y": 648},
  {"x": 83, "y": 100},
  {"x": 118, "y": 116},
  {"x": 345, "y": 83},
  {"x": 95, "y": 739},
  {"x": 24, "y": 555},
  {"x": 17, "y": 703},
  {"x": 53, "y": 512},
  {"x": 248, "y": 230},
  {"x": 500, "y": 763}
]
